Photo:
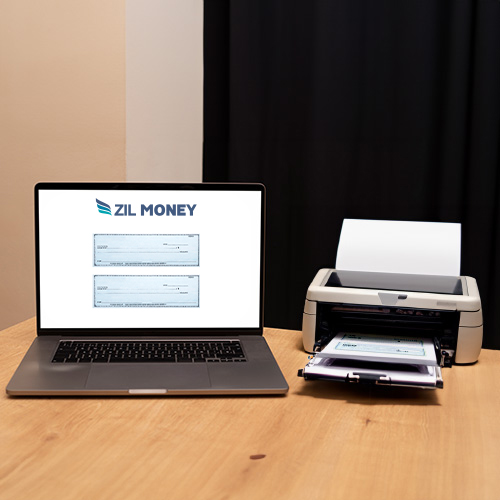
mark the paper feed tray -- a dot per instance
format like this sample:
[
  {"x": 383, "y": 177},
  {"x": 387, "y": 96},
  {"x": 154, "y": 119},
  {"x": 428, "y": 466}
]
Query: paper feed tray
[{"x": 374, "y": 359}]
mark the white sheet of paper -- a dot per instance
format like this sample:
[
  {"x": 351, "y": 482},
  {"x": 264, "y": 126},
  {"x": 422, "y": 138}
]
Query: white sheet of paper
[
  {"x": 384, "y": 348},
  {"x": 399, "y": 247}
]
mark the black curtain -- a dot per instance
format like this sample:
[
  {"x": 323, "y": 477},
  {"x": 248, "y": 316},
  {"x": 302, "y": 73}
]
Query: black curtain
[{"x": 357, "y": 109}]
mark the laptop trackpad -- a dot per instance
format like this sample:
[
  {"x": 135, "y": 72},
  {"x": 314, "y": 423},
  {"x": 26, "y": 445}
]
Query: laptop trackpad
[{"x": 148, "y": 376}]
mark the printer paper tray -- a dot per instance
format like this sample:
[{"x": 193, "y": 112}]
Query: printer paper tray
[{"x": 346, "y": 370}]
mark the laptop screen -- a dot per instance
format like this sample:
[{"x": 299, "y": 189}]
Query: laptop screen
[{"x": 149, "y": 256}]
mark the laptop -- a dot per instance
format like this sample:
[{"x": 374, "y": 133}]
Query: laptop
[{"x": 149, "y": 289}]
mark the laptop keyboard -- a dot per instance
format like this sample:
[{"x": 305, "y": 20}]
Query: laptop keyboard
[{"x": 71, "y": 351}]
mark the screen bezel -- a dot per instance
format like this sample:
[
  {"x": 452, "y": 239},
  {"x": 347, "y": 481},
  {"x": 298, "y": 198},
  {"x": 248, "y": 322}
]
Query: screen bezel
[{"x": 145, "y": 332}]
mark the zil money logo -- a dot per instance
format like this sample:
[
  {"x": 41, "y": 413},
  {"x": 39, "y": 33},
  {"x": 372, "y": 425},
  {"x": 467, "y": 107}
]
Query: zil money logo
[{"x": 103, "y": 208}]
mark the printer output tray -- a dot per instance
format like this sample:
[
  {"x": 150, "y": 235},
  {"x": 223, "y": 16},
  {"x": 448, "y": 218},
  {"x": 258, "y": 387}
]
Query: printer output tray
[
  {"x": 377, "y": 359},
  {"x": 370, "y": 372}
]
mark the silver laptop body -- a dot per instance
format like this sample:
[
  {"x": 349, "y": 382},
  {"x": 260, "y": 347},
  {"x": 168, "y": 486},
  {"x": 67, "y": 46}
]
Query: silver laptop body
[{"x": 149, "y": 289}]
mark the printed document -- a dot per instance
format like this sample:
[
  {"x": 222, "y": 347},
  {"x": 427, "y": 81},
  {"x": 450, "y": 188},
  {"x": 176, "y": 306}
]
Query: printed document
[{"x": 382, "y": 348}]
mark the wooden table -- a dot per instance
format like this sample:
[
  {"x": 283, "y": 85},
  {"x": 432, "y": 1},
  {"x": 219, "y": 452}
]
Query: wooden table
[{"x": 322, "y": 440}]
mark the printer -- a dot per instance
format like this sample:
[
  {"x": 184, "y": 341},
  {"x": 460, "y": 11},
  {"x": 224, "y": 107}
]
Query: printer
[{"x": 442, "y": 311}]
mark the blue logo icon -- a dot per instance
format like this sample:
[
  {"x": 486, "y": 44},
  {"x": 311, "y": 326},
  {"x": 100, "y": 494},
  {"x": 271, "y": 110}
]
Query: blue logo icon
[{"x": 103, "y": 208}]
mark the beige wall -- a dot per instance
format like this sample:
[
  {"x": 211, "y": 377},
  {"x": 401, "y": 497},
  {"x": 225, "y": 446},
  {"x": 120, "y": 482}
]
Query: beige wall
[{"x": 62, "y": 118}]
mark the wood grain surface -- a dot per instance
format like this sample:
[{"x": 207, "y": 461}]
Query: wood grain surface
[{"x": 322, "y": 440}]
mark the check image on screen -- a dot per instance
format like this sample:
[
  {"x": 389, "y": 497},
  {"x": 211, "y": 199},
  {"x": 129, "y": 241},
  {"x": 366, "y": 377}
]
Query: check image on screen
[
  {"x": 146, "y": 250},
  {"x": 146, "y": 291}
]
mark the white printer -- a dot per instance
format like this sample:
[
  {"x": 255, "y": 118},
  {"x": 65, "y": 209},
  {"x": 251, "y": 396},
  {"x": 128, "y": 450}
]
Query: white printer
[{"x": 397, "y": 313}]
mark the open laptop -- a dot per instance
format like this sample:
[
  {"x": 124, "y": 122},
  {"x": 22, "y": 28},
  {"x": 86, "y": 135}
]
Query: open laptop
[{"x": 149, "y": 289}]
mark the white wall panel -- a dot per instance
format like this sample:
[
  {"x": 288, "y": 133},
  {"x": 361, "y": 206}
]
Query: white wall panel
[{"x": 164, "y": 90}]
